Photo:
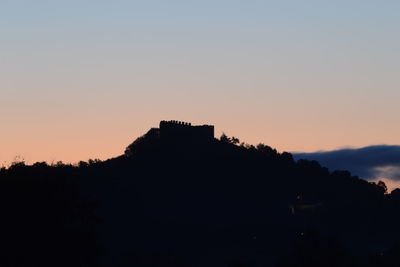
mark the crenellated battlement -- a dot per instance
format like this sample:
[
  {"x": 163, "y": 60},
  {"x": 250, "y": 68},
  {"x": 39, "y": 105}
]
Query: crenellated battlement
[{"x": 181, "y": 123}]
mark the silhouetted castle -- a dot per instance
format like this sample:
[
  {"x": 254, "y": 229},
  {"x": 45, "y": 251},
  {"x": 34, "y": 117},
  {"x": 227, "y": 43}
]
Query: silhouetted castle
[{"x": 183, "y": 131}]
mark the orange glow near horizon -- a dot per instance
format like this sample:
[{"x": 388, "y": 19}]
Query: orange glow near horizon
[
  {"x": 72, "y": 141},
  {"x": 80, "y": 80}
]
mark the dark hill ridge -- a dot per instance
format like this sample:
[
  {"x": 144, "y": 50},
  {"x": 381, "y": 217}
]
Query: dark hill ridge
[{"x": 188, "y": 199}]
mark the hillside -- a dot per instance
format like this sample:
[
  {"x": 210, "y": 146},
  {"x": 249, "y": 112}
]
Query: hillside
[{"x": 191, "y": 202}]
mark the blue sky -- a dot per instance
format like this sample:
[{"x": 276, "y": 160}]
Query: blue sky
[{"x": 297, "y": 75}]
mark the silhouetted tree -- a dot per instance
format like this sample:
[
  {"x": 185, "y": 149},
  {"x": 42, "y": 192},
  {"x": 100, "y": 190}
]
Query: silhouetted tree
[
  {"x": 382, "y": 185},
  {"x": 224, "y": 138},
  {"x": 229, "y": 140}
]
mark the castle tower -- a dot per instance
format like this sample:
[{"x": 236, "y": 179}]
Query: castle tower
[{"x": 184, "y": 132}]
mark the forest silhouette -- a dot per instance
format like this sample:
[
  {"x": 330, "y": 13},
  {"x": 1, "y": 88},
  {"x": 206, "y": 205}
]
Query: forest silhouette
[{"x": 188, "y": 201}]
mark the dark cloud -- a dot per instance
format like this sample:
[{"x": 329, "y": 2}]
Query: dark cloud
[{"x": 368, "y": 162}]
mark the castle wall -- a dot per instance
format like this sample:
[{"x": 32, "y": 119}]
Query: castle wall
[{"x": 182, "y": 131}]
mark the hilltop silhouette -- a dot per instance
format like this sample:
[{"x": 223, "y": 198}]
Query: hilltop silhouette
[{"x": 178, "y": 196}]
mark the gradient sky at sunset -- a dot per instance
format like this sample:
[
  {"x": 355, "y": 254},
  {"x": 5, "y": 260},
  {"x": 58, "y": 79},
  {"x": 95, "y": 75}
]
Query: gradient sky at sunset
[{"x": 82, "y": 79}]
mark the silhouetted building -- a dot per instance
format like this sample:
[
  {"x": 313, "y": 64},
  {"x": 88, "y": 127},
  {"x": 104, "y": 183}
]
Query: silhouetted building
[{"x": 183, "y": 131}]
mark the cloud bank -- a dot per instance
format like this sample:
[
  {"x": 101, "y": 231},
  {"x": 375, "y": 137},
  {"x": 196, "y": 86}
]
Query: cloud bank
[{"x": 379, "y": 162}]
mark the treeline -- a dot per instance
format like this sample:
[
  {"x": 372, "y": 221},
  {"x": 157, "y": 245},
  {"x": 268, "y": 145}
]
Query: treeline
[{"x": 225, "y": 203}]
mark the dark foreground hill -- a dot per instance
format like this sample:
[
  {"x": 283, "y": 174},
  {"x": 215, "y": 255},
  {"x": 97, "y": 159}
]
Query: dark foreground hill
[{"x": 187, "y": 203}]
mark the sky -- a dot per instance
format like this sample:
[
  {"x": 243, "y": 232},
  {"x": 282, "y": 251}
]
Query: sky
[{"x": 83, "y": 79}]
